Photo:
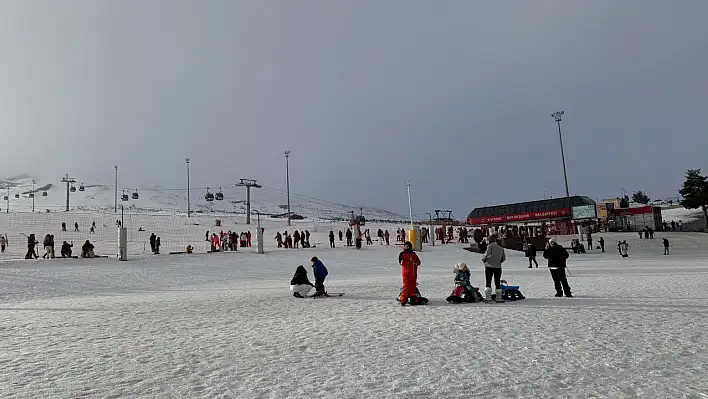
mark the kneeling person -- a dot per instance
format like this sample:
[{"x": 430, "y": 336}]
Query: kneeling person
[{"x": 300, "y": 285}]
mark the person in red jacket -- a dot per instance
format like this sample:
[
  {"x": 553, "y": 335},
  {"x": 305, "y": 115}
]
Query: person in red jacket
[{"x": 409, "y": 262}]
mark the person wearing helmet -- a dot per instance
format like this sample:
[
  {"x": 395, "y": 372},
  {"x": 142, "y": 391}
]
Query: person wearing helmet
[
  {"x": 320, "y": 272},
  {"x": 409, "y": 262}
]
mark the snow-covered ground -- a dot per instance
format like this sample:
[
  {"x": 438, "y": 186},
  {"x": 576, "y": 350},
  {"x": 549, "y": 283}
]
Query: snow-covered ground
[
  {"x": 682, "y": 214},
  {"x": 225, "y": 325}
]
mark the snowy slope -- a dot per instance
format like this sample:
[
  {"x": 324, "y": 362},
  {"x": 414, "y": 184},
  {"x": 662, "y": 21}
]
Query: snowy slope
[
  {"x": 225, "y": 325},
  {"x": 99, "y": 197}
]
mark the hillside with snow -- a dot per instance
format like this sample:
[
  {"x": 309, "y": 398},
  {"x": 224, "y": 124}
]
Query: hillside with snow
[{"x": 50, "y": 195}]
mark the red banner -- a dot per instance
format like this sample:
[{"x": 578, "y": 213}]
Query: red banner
[{"x": 519, "y": 217}]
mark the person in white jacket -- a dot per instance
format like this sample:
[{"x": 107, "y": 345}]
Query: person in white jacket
[{"x": 493, "y": 258}]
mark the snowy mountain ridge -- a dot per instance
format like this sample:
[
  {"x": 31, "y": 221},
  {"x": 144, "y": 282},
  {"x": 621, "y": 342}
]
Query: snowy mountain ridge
[{"x": 16, "y": 192}]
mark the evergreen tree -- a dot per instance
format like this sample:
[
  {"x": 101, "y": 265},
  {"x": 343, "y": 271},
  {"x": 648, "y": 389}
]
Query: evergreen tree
[
  {"x": 695, "y": 193},
  {"x": 624, "y": 202},
  {"x": 640, "y": 197}
]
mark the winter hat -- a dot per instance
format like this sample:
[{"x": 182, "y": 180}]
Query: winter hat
[
  {"x": 552, "y": 240},
  {"x": 460, "y": 267},
  {"x": 314, "y": 259}
]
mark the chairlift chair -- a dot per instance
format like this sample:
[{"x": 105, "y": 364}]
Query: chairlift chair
[
  {"x": 5, "y": 198},
  {"x": 135, "y": 195},
  {"x": 72, "y": 189},
  {"x": 31, "y": 195},
  {"x": 124, "y": 197},
  {"x": 44, "y": 194},
  {"x": 81, "y": 187},
  {"x": 209, "y": 196},
  {"x": 17, "y": 195},
  {"x": 219, "y": 196}
]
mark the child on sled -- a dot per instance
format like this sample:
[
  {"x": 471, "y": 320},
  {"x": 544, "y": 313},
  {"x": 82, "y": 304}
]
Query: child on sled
[{"x": 464, "y": 291}]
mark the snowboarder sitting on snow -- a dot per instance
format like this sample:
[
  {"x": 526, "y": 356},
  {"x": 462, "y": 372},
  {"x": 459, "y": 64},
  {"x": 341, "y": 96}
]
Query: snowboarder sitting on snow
[
  {"x": 87, "y": 250},
  {"x": 320, "y": 272},
  {"x": 420, "y": 299},
  {"x": 300, "y": 285}
]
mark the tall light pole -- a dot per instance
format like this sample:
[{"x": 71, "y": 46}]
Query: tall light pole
[
  {"x": 189, "y": 206},
  {"x": 33, "y": 182},
  {"x": 287, "y": 180},
  {"x": 410, "y": 208},
  {"x": 558, "y": 116},
  {"x": 115, "y": 199},
  {"x": 661, "y": 162},
  {"x": 430, "y": 228}
]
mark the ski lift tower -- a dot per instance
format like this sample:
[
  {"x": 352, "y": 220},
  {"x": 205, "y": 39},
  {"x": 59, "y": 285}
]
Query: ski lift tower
[
  {"x": 69, "y": 181},
  {"x": 248, "y": 183}
]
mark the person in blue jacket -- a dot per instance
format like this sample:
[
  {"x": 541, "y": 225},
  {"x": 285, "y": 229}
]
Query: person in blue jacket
[{"x": 320, "y": 272}]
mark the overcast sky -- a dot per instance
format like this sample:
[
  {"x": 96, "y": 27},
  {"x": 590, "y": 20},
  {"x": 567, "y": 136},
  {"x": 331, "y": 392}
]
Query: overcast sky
[{"x": 455, "y": 96}]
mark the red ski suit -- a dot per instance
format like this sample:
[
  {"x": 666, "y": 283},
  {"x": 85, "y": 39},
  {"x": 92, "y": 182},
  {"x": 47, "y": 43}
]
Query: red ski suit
[{"x": 409, "y": 270}]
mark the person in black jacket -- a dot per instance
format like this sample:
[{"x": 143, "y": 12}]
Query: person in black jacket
[
  {"x": 300, "y": 285},
  {"x": 531, "y": 253},
  {"x": 557, "y": 256},
  {"x": 331, "y": 239}
]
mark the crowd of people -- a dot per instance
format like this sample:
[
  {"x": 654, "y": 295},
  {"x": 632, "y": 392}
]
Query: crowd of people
[{"x": 87, "y": 249}]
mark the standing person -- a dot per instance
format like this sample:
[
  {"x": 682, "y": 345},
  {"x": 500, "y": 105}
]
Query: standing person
[
  {"x": 624, "y": 249},
  {"x": 157, "y": 246},
  {"x": 379, "y": 234},
  {"x": 666, "y": 245},
  {"x": 340, "y": 235},
  {"x": 63, "y": 226},
  {"x": 331, "y": 239},
  {"x": 92, "y": 230},
  {"x": 589, "y": 240},
  {"x": 387, "y": 236},
  {"x": 602, "y": 244},
  {"x": 532, "y": 255},
  {"x": 557, "y": 257},
  {"x": 296, "y": 239},
  {"x": 47, "y": 247},
  {"x": 349, "y": 238},
  {"x": 320, "y": 272},
  {"x": 409, "y": 262},
  {"x": 307, "y": 239},
  {"x": 367, "y": 235},
  {"x": 279, "y": 239},
  {"x": 153, "y": 239},
  {"x": 619, "y": 247},
  {"x": 207, "y": 235},
  {"x": 31, "y": 244},
  {"x": 493, "y": 258},
  {"x": 51, "y": 246},
  {"x": 76, "y": 226},
  {"x": 3, "y": 243}
]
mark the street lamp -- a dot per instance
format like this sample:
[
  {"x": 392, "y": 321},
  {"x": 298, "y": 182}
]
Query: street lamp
[
  {"x": 189, "y": 207},
  {"x": 287, "y": 180},
  {"x": 115, "y": 205},
  {"x": 558, "y": 116},
  {"x": 33, "y": 195},
  {"x": 410, "y": 208}
]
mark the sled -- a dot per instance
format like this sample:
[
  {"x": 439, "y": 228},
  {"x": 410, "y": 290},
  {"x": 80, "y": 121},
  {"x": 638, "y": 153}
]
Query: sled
[{"x": 509, "y": 292}]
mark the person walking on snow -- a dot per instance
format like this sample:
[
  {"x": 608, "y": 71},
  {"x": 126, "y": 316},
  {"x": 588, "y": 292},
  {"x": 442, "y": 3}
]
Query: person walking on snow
[
  {"x": 624, "y": 249},
  {"x": 386, "y": 237},
  {"x": 602, "y": 244},
  {"x": 300, "y": 285},
  {"x": 331, "y": 239},
  {"x": 666, "y": 245},
  {"x": 3, "y": 243},
  {"x": 493, "y": 258},
  {"x": 409, "y": 262},
  {"x": 320, "y": 272},
  {"x": 76, "y": 227},
  {"x": 531, "y": 253},
  {"x": 557, "y": 257}
]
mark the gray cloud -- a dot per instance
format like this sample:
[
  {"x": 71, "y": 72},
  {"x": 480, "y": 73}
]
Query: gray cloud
[{"x": 455, "y": 96}]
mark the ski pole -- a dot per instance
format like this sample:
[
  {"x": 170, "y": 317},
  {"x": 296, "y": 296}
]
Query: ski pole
[{"x": 568, "y": 269}]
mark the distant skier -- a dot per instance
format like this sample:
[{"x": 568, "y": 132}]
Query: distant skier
[
  {"x": 296, "y": 239},
  {"x": 76, "y": 227},
  {"x": 3, "y": 243},
  {"x": 63, "y": 226},
  {"x": 665, "y": 241},
  {"x": 386, "y": 237},
  {"x": 531, "y": 254},
  {"x": 331, "y": 239},
  {"x": 300, "y": 285},
  {"x": 92, "y": 230},
  {"x": 320, "y": 272},
  {"x": 340, "y": 235},
  {"x": 602, "y": 244}
]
